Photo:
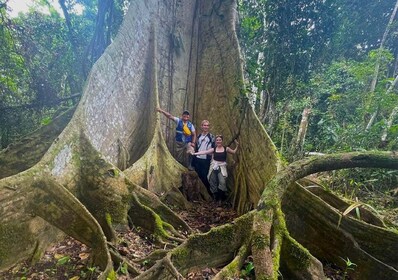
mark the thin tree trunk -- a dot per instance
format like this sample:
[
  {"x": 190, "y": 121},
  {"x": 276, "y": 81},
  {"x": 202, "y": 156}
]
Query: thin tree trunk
[
  {"x": 73, "y": 83},
  {"x": 393, "y": 114},
  {"x": 377, "y": 67},
  {"x": 298, "y": 146}
]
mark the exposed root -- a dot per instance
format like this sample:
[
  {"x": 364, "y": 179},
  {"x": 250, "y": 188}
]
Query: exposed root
[
  {"x": 215, "y": 248},
  {"x": 120, "y": 260},
  {"x": 145, "y": 197},
  {"x": 37, "y": 195},
  {"x": 261, "y": 246},
  {"x": 178, "y": 236},
  {"x": 336, "y": 202},
  {"x": 163, "y": 269},
  {"x": 314, "y": 224},
  {"x": 232, "y": 270},
  {"x": 167, "y": 263},
  {"x": 298, "y": 263},
  {"x": 153, "y": 257},
  {"x": 144, "y": 217}
]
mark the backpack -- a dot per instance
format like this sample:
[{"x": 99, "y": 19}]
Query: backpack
[{"x": 211, "y": 139}]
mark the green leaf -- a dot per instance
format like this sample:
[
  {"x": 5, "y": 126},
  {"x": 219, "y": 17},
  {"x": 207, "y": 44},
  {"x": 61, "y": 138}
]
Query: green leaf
[{"x": 63, "y": 260}]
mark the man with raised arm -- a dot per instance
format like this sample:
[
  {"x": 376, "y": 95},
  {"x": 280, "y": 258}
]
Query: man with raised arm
[{"x": 185, "y": 137}]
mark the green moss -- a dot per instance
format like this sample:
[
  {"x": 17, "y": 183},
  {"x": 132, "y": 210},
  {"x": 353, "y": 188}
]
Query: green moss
[
  {"x": 14, "y": 237},
  {"x": 220, "y": 240},
  {"x": 263, "y": 214},
  {"x": 215, "y": 240},
  {"x": 261, "y": 241},
  {"x": 117, "y": 172},
  {"x": 301, "y": 255},
  {"x": 180, "y": 254},
  {"x": 159, "y": 230},
  {"x": 102, "y": 189},
  {"x": 234, "y": 266},
  {"x": 112, "y": 275},
  {"x": 108, "y": 219}
]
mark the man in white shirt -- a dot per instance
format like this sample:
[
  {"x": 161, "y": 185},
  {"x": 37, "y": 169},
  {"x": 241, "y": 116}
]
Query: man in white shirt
[{"x": 205, "y": 141}]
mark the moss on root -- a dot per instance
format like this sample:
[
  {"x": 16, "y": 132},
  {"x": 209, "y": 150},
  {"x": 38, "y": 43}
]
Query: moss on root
[
  {"x": 103, "y": 190},
  {"x": 260, "y": 241},
  {"x": 214, "y": 248},
  {"x": 12, "y": 233},
  {"x": 299, "y": 256}
]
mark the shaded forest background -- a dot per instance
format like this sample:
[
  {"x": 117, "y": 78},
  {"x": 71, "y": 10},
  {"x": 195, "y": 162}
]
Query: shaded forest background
[{"x": 321, "y": 75}]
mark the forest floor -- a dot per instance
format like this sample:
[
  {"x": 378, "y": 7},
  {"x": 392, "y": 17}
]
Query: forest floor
[{"x": 69, "y": 259}]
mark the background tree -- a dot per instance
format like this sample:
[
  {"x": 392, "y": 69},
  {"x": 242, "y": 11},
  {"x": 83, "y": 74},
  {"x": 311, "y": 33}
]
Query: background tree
[
  {"x": 46, "y": 61},
  {"x": 287, "y": 45}
]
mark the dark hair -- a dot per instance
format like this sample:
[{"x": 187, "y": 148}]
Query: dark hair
[
  {"x": 219, "y": 135},
  {"x": 185, "y": 112}
]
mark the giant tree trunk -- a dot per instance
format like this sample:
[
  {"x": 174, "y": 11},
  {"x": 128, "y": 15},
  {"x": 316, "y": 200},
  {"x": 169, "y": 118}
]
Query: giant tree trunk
[{"x": 112, "y": 165}]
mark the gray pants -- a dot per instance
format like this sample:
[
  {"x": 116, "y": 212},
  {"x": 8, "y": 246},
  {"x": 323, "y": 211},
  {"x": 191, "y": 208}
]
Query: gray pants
[
  {"x": 182, "y": 155},
  {"x": 217, "y": 181}
]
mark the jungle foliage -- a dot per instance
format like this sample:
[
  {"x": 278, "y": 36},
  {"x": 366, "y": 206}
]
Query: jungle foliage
[
  {"x": 322, "y": 55},
  {"x": 46, "y": 55}
]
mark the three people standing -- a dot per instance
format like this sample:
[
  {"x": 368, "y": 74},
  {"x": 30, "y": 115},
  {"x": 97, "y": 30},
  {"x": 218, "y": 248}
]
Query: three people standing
[{"x": 211, "y": 154}]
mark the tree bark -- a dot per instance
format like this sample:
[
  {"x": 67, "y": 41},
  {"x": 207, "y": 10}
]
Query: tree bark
[{"x": 298, "y": 146}]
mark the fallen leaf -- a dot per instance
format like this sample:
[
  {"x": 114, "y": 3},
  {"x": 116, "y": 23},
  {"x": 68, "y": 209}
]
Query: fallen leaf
[
  {"x": 84, "y": 256},
  {"x": 58, "y": 256}
]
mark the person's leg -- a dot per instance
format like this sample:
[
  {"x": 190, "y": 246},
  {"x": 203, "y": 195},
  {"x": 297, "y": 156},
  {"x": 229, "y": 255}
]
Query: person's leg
[
  {"x": 180, "y": 153},
  {"x": 206, "y": 167},
  {"x": 202, "y": 170},
  {"x": 213, "y": 180},
  {"x": 222, "y": 182},
  {"x": 222, "y": 186}
]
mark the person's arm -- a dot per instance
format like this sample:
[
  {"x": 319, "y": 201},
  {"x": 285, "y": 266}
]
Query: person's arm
[
  {"x": 206, "y": 152},
  {"x": 229, "y": 150},
  {"x": 193, "y": 142},
  {"x": 167, "y": 114}
]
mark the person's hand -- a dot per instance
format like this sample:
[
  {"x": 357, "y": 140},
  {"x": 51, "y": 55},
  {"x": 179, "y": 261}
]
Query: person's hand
[
  {"x": 236, "y": 142},
  {"x": 192, "y": 144}
]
